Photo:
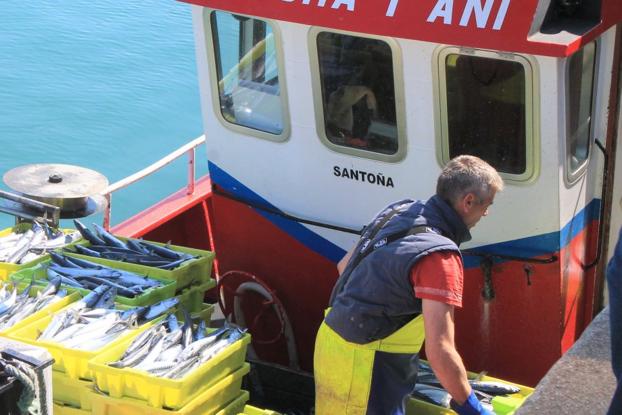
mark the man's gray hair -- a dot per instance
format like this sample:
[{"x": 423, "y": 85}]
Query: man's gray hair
[{"x": 467, "y": 174}]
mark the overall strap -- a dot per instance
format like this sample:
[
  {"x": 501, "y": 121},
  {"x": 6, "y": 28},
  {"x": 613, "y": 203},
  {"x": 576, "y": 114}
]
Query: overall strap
[{"x": 364, "y": 247}]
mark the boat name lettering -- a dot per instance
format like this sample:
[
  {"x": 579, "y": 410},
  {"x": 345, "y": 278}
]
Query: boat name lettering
[
  {"x": 444, "y": 9},
  {"x": 363, "y": 176},
  {"x": 478, "y": 11},
  {"x": 336, "y": 4}
]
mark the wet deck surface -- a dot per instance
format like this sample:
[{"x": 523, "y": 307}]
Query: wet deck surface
[{"x": 581, "y": 382}]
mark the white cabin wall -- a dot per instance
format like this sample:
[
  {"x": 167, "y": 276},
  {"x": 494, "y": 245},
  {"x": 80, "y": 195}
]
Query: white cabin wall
[
  {"x": 574, "y": 197},
  {"x": 297, "y": 176}
]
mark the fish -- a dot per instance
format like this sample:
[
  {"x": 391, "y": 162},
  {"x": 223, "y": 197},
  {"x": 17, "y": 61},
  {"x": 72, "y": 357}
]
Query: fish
[
  {"x": 162, "y": 251},
  {"x": 160, "y": 308},
  {"x": 105, "y": 245},
  {"x": 61, "y": 260},
  {"x": 108, "y": 237},
  {"x": 15, "y": 306},
  {"x": 19, "y": 248},
  {"x": 436, "y": 396},
  {"x": 79, "y": 273},
  {"x": 86, "y": 251},
  {"x": 89, "y": 328},
  {"x": 88, "y": 234},
  {"x": 161, "y": 351},
  {"x": 186, "y": 329},
  {"x": 137, "y": 355},
  {"x": 201, "y": 331},
  {"x": 140, "y": 341},
  {"x": 58, "y": 240},
  {"x": 51, "y": 275},
  {"x": 493, "y": 388}
]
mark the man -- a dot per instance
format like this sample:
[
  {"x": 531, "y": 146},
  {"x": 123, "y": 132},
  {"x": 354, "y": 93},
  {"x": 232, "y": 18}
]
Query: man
[
  {"x": 614, "y": 283},
  {"x": 405, "y": 268}
]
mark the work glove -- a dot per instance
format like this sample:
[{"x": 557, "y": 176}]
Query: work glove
[{"x": 471, "y": 406}]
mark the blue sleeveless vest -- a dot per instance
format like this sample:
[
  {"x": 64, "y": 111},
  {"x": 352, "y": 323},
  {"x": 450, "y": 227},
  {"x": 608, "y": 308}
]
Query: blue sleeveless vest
[{"x": 374, "y": 298}]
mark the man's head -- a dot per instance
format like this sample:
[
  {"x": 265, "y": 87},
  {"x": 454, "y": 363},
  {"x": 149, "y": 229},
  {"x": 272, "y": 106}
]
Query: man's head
[{"x": 469, "y": 185}]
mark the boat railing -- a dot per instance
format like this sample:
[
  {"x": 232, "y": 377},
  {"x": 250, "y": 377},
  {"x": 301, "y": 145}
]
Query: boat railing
[{"x": 187, "y": 149}]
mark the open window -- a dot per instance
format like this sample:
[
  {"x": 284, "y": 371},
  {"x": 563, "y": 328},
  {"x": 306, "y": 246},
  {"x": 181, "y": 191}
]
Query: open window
[
  {"x": 357, "y": 103},
  {"x": 486, "y": 105},
  {"x": 248, "y": 67},
  {"x": 580, "y": 69}
]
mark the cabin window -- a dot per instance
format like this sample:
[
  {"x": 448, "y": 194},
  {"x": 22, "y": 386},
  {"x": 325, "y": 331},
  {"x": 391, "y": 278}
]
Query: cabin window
[
  {"x": 486, "y": 109},
  {"x": 580, "y": 87},
  {"x": 355, "y": 94},
  {"x": 247, "y": 69}
]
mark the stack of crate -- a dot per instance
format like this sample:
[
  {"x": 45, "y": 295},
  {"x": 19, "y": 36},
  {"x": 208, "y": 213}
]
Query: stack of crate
[
  {"x": 193, "y": 278},
  {"x": 208, "y": 389}
]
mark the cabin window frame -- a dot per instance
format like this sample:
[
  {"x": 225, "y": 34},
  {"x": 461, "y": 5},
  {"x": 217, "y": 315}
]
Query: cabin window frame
[
  {"x": 215, "y": 90},
  {"x": 571, "y": 177},
  {"x": 399, "y": 96},
  {"x": 532, "y": 108}
]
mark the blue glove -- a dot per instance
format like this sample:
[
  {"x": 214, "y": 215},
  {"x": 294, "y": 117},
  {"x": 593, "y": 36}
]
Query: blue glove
[{"x": 471, "y": 406}]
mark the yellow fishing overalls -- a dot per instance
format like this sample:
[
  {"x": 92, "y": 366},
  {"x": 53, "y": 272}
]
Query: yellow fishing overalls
[{"x": 344, "y": 371}]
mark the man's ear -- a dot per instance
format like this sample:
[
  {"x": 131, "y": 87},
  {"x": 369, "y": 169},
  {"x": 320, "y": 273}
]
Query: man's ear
[
  {"x": 470, "y": 199},
  {"x": 465, "y": 203}
]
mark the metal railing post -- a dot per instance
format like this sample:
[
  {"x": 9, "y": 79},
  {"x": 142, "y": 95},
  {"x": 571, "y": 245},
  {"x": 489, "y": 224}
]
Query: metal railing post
[
  {"x": 107, "y": 210},
  {"x": 190, "y": 171},
  {"x": 188, "y": 149}
]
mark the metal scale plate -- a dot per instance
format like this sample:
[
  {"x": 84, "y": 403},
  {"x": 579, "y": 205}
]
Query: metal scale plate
[{"x": 75, "y": 190}]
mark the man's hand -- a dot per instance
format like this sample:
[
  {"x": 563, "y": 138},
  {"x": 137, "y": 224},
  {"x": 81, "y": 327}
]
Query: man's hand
[
  {"x": 441, "y": 350},
  {"x": 471, "y": 406}
]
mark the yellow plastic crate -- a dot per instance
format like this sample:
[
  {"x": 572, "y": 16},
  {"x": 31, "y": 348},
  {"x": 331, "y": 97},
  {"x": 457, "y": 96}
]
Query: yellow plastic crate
[
  {"x": 192, "y": 298},
  {"x": 205, "y": 313},
  {"x": 251, "y": 410},
  {"x": 7, "y": 269},
  {"x": 198, "y": 270},
  {"x": 209, "y": 401},
  {"x": 73, "y": 362},
  {"x": 49, "y": 309},
  {"x": 503, "y": 405},
  {"x": 149, "y": 297},
  {"x": 163, "y": 392},
  {"x": 235, "y": 407},
  {"x": 71, "y": 392},
  {"x": 68, "y": 410}
]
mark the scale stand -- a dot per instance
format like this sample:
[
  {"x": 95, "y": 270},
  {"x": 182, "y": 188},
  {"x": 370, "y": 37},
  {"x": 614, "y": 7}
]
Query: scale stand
[{"x": 29, "y": 210}]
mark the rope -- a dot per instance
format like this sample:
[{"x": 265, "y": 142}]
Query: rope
[{"x": 33, "y": 387}]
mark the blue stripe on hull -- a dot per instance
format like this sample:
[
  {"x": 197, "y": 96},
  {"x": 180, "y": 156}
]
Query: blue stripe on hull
[
  {"x": 533, "y": 246},
  {"x": 544, "y": 244},
  {"x": 305, "y": 236}
]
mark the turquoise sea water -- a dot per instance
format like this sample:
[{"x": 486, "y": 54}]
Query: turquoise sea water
[{"x": 107, "y": 85}]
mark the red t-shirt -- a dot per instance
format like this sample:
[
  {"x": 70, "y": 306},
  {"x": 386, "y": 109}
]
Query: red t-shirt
[{"x": 439, "y": 276}]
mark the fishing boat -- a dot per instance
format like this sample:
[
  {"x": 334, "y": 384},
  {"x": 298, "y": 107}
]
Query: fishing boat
[{"x": 318, "y": 113}]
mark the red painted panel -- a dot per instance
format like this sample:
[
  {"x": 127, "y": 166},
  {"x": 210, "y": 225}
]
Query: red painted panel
[
  {"x": 165, "y": 210},
  {"x": 577, "y": 285},
  {"x": 516, "y": 335},
  {"x": 439, "y": 21},
  {"x": 301, "y": 278}
]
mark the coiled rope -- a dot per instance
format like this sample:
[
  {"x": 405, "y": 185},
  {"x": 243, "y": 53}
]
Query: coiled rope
[{"x": 33, "y": 387}]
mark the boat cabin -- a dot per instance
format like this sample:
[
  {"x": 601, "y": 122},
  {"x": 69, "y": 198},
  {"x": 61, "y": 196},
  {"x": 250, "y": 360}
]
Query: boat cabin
[{"x": 318, "y": 113}]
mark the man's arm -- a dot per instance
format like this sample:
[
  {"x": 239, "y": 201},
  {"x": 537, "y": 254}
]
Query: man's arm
[
  {"x": 344, "y": 261},
  {"x": 441, "y": 351}
]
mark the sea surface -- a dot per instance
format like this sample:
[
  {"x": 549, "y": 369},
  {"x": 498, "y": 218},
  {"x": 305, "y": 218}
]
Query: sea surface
[{"x": 107, "y": 85}]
